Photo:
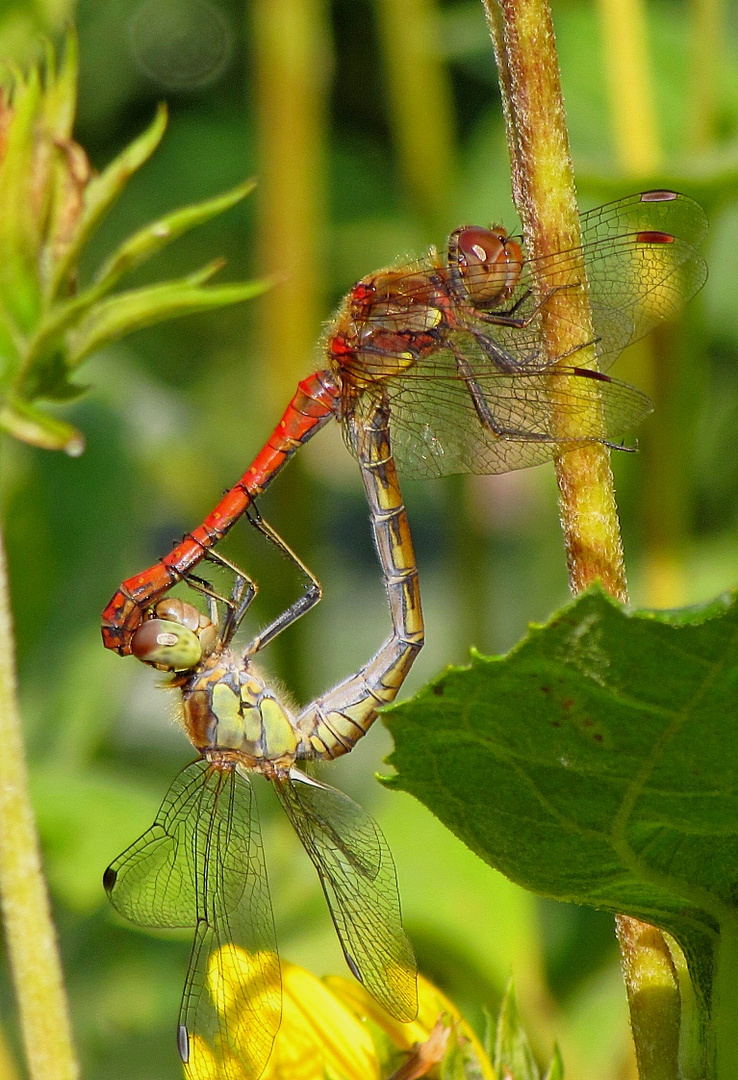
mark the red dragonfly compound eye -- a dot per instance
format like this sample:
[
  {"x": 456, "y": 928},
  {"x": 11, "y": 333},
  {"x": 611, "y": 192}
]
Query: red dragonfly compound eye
[{"x": 486, "y": 264}]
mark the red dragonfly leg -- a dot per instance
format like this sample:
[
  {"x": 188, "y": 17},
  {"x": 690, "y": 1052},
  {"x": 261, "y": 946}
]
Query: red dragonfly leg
[
  {"x": 317, "y": 399},
  {"x": 335, "y": 722}
]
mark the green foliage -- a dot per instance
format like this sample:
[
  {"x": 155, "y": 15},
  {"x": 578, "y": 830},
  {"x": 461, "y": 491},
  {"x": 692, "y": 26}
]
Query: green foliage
[
  {"x": 513, "y": 1054},
  {"x": 52, "y": 204},
  {"x": 593, "y": 764}
]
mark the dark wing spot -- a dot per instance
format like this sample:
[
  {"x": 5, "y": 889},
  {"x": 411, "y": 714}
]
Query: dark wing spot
[
  {"x": 352, "y": 967},
  {"x": 183, "y": 1043}
]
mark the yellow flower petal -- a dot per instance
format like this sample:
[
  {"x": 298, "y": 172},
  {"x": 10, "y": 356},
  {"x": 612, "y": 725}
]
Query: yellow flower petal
[
  {"x": 319, "y": 1035},
  {"x": 432, "y": 1004},
  {"x": 245, "y": 990},
  {"x": 363, "y": 1005}
]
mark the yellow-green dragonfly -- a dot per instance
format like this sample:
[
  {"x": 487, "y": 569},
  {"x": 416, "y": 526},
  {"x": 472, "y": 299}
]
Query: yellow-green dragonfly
[{"x": 201, "y": 863}]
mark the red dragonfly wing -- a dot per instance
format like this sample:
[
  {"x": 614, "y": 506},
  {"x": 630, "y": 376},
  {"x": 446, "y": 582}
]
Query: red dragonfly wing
[
  {"x": 201, "y": 864},
  {"x": 357, "y": 873}
]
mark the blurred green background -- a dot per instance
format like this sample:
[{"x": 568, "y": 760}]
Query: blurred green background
[{"x": 374, "y": 128}]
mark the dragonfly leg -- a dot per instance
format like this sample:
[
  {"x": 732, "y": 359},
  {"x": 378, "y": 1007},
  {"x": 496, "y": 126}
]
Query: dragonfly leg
[
  {"x": 501, "y": 359},
  {"x": 484, "y": 413},
  {"x": 313, "y": 590},
  {"x": 245, "y": 589},
  {"x": 243, "y": 592},
  {"x": 508, "y": 317},
  {"x": 335, "y": 722}
]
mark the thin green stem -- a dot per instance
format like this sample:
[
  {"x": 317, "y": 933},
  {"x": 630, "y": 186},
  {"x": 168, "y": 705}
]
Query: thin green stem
[
  {"x": 419, "y": 87},
  {"x": 707, "y": 42},
  {"x": 544, "y": 194},
  {"x": 654, "y": 1008},
  {"x": 724, "y": 1006},
  {"x": 293, "y": 61},
  {"x": 31, "y": 940},
  {"x": 630, "y": 85}
]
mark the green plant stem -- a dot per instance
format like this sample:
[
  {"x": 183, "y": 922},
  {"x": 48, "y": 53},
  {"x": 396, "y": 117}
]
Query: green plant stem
[
  {"x": 419, "y": 87},
  {"x": 725, "y": 1005},
  {"x": 655, "y": 1016},
  {"x": 29, "y": 931},
  {"x": 694, "y": 1051},
  {"x": 543, "y": 190},
  {"x": 292, "y": 54},
  {"x": 630, "y": 86},
  {"x": 707, "y": 42},
  {"x": 293, "y": 60}
]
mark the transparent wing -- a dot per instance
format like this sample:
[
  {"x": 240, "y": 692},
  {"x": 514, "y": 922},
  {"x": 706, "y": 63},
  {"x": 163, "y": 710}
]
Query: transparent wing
[
  {"x": 635, "y": 282},
  {"x": 636, "y": 277},
  {"x": 358, "y": 877},
  {"x": 201, "y": 864},
  {"x": 487, "y": 421}
]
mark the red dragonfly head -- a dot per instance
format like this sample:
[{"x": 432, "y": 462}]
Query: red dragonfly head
[{"x": 484, "y": 265}]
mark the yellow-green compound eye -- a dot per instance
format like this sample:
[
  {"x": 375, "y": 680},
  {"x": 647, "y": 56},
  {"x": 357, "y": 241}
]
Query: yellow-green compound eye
[{"x": 169, "y": 645}]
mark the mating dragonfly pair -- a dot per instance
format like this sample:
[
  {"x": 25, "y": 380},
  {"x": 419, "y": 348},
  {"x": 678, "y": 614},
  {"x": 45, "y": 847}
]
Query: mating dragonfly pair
[{"x": 437, "y": 365}]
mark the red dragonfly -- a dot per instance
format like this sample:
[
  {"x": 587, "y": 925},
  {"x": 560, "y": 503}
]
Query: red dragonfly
[{"x": 451, "y": 347}]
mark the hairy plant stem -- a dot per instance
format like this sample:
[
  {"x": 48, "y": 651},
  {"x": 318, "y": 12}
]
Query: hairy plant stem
[
  {"x": 29, "y": 931},
  {"x": 544, "y": 194}
]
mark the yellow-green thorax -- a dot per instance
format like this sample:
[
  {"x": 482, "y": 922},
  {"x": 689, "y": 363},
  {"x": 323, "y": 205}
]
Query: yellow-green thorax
[{"x": 227, "y": 707}]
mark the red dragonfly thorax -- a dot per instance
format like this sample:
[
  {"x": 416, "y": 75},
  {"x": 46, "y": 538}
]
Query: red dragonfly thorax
[
  {"x": 388, "y": 320},
  {"x": 392, "y": 318}
]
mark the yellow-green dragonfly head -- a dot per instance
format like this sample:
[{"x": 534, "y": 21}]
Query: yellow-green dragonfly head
[{"x": 175, "y": 636}]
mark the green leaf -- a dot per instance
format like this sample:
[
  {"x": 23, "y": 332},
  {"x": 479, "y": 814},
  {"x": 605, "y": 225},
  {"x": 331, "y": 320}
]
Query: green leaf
[
  {"x": 513, "y": 1055},
  {"x": 134, "y": 251},
  {"x": 30, "y": 425},
  {"x": 556, "y": 1068},
  {"x": 157, "y": 234},
  {"x": 60, "y": 99},
  {"x": 596, "y": 763},
  {"x": 102, "y": 192},
  {"x": 132, "y": 310},
  {"x": 20, "y": 220}
]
